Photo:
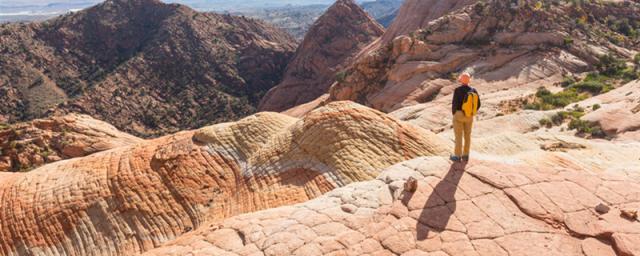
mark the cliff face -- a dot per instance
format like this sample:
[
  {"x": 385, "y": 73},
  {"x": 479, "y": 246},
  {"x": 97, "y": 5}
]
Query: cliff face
[
  {"x": 146, "y": 67},
  {"x": 334, "y": 39}
]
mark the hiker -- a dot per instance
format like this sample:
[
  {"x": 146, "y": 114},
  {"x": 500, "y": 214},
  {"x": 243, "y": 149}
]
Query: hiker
[{"x": 465, "y": 105}]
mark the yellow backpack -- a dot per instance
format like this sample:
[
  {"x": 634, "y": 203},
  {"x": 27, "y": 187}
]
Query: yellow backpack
[{"x": 470, "y": 104}]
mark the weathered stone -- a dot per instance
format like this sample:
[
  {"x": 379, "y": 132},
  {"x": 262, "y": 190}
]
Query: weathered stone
[
  {"x": 602, "y": 208},
  {"x": 411, "y": 185}
]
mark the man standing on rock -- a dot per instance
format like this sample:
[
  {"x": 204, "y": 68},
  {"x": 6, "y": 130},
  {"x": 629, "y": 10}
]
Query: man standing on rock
[{"x": 465, "y": 105}]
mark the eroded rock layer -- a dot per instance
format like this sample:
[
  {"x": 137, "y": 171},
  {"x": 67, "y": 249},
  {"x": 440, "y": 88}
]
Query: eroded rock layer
[
  {"x": 485, "y": 208},
  {"x": 132, "y": 199},
  {"x": 28, "y": 145}
]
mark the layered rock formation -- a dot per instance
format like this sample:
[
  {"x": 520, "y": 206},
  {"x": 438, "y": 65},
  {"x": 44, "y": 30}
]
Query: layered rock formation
[
  {"x": 619, "y": 115},
  {"x": 28, "y": 145},
  {"x": 146, "y": 67},
  {"x": 487, "y": 208},
  {"x": 512, "y": 49},
  {"x": 416, "y": 14},
  {"x": 132, "y": 199},
  {"x": 333, "y": 40}
]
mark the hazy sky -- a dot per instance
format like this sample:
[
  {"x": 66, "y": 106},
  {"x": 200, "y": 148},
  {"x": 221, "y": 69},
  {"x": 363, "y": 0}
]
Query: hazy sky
[
  {"x": 44, "y": 6},
  {"x": 198, "y": 2}
]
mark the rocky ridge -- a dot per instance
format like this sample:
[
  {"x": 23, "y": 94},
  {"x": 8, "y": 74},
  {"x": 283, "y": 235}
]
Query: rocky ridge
[
  {"x": 25, "y": 146},
  {"x": 333, "y": 40},
  {"x": 146, "y": 67},
  {"x": 134, "y": 198}
]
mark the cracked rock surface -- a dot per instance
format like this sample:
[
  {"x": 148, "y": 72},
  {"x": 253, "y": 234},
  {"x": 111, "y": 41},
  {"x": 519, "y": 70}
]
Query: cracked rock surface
[{"x": 484, "y": 208}]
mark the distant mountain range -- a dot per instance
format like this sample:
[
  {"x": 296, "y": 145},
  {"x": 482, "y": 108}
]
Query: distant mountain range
[{"x": 294, "y": 16}]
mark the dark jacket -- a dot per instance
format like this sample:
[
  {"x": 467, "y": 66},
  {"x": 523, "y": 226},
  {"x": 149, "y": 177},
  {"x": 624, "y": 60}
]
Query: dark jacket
[{"x": 459, "y": 96}]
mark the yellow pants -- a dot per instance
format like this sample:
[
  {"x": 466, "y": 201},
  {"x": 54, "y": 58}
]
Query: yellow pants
[{"x": 462, "y": 127}]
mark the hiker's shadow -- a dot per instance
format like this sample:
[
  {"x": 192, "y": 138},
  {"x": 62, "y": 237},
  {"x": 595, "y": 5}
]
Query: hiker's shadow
[{"x": 441, "y": 204}]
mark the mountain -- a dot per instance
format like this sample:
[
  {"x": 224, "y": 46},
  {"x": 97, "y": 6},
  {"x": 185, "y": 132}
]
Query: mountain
[
  {"x": 388, "y": 19},
  {"x": 336, "y": 37},
  {"x": 297, "y": 19},
  {"x": 384, "y": 11},
  {"x": 146, "y": 67}
]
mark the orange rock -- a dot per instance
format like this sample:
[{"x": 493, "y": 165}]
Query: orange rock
[{"x": 156, "y": 190}]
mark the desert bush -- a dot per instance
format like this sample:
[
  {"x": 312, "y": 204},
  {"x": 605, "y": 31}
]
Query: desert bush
[
  {"x": 587, "y": 128},
  {"x": 546, "y": 100},
  {"x": 611, "y": 66},
  {"x": 341, "y": 76},
  {"x": 593, "y": 87},
  {"x": 546, "y": 122}
]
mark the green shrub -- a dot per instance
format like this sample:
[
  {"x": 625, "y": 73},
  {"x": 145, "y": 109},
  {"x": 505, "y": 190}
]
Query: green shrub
[
  {"x": 546, "y": 122},
  {"x": 568, "y": 81},
  {"x": 595, "y": 107},
  {"x": 586, "y": 127},
  {"x": 562, "y": 99},
  {"x": 610, "y": 66},
  {"x": 558, "y": 118},
  {"x": 593, "y": 87},
  {"x": 568, "y": 41},
  {"x": 341, "y": 76}
]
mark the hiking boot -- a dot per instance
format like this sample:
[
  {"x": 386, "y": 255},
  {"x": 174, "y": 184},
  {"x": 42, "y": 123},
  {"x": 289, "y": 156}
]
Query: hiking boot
[
  {"x": 465, "y": 158},
  {"x": 454, "y": 158}
]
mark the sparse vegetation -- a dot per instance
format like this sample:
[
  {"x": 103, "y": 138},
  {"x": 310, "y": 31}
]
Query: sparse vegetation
[
  {"x": 568, "y": 41},
  {"x": 546, "y": 100},
  {"x": 610, "y": 66},
  {"x": 587, "y": 128},
  {"x": 611, "y": 70},
  {"x": 341, "y": 76},
  {"x": 584, "y": 128}
]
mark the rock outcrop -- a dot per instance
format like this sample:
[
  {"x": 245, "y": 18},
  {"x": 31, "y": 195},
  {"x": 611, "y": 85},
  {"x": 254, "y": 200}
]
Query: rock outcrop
[
  {"x": 132, "y": 199},
  {"x": 416, "y": 14},
  {"x": 26, "y": 146},
  {"x": 619, "y": 112},
  {"x": 146, "y": 67},
  {"x": 512, "y": 49},
  {"x": 333, "y": 40},
  {"x": 487, "y": 208}
]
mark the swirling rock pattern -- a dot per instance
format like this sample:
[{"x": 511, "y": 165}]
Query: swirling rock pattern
[{"x": 132, "y": 199}]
